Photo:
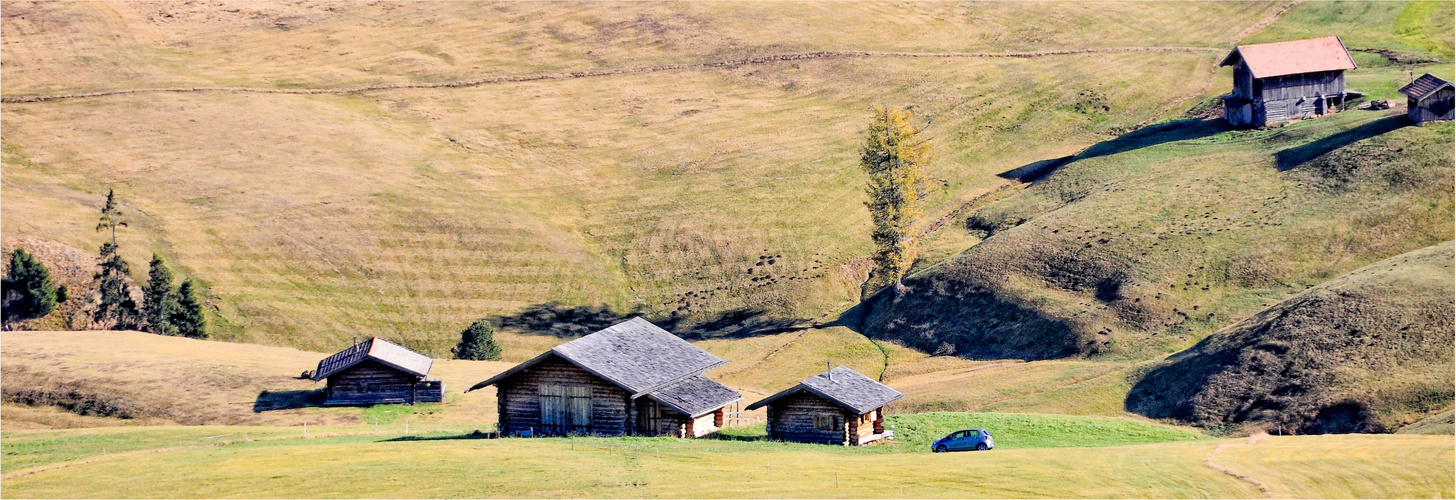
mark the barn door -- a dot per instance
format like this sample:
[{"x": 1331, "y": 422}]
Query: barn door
[
  {"x": 553, "y": 409},
  {"x": 566, "y": 409},
  {"x": 579, "y": 409}
]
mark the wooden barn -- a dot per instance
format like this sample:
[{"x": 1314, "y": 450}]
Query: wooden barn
[
  {"x": 839, "y": 406},
  {"x": 377, "y": 371},
  {"x": 632, "y": 378},
  {"x": 1286, "y": 81},
  {"x": 1429, "y": 99}
]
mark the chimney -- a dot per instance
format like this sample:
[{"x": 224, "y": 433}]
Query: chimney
[{"x": 829, "y": 370}]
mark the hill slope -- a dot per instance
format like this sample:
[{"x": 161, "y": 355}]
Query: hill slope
[
  {"x": 1370, "y": 351},
  {"x": 701, "y": 194},
  {"x": 1144, "y": 244}
]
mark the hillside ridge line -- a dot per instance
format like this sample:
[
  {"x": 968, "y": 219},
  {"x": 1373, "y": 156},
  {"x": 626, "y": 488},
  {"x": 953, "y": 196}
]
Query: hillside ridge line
[{"x": 732, "y": 63}]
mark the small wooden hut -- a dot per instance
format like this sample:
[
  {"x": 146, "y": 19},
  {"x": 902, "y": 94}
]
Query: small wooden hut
[
  {"x": 1286, "y": 81},
  {"x": 1429, "y": 99},
  {"x": 377, "y": 371},
  {"x": 632, "y": 378},
  {"x": 839, "y": 406}
]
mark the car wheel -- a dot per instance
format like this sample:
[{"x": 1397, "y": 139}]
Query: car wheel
[
  {"x": 981, "y": 447},
  {"x": 941, "y": 449}
]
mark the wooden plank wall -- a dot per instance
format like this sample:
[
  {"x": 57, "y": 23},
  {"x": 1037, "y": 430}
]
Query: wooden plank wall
[
  {"x": 1437, "y": 106},
  {"x": 519, "y": 399},
  {"x": 792, "y": 419},
  {"x": 370, "y": 383},
  {"x": 1284, "y": 98}
]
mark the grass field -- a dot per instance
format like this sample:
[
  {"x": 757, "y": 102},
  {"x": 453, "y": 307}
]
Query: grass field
[
  {"x": 231, "y": 383},
  {"x": 443, "y": 465},
  {"x": 411, "y": 213}
]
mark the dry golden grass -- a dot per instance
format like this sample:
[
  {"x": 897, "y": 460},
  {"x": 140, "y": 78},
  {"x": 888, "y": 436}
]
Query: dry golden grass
[
  {"x": 200, "y": 382},
  {"x": 411, "y": 213}
]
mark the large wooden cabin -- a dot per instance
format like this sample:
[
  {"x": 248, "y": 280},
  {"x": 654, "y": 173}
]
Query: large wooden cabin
[
  {"x": 839, "y": 406},
  {"x": 377, "y": 371},
  {"x": 1429, "y": 98},
  {"x": 632, "y": 378},
  {"x": 1286, "y": 81}
]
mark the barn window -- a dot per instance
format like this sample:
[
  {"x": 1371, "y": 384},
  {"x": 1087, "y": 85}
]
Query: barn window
[{"x": 824, "y": 422}]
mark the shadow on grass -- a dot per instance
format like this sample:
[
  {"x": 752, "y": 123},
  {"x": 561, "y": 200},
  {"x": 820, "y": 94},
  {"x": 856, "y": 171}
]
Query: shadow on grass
[
  {"x": 447, "y": 437},
  {"x": 1153, "y": 135},
  {"x": 1299, "y": 155},
  {"x": 287, "y": 400},
  {"x": 558, "y": 320}
]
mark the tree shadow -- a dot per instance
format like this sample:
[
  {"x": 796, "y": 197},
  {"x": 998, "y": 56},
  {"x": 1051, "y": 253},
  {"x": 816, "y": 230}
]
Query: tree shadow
[
  {"x": 946, "y": 317},
  {"x": 449, "y": 437},
  {"x": 562, "y": 321},
  {"x": 1152, "y": 135},
  {"x": 1296, "y": 156},
  {"x": 288, "y": 400}
]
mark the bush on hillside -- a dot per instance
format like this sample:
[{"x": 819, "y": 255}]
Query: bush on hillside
[{"x": 478, "y": 343}]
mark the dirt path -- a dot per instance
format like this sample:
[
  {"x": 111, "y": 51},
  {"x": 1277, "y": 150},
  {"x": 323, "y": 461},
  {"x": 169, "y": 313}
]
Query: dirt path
[
  {"x": 1254, "y": 439},
  {"x": 487, "y": 80},
  {"x": 1259, "y": 26}
]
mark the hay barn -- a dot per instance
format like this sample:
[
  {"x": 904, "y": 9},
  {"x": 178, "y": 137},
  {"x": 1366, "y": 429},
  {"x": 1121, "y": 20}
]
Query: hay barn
[
  {"x": 1286, "y": 81},
  {"x": 1429, "y": 98},
  {"x": 839, "y": 406},
  {"x": 632, "y": 378},
  {"x": 377, "y": 371}
]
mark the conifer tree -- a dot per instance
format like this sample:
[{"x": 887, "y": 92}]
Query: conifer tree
[
  {"x": 28, "y": 291},
  {"x": 478, "y": 343},
  {"x": 894, "y": 156},
  {"x": 187, "y": 316},
  {"x": 115, "y": 307},
  {"x": 159, "y": 299}
]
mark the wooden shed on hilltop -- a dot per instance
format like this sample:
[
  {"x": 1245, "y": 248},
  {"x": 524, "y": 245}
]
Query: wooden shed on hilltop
[
  {"x": 377, "y": 371},
  {"x": 632, "y": 378},
  {"x": 1285, "y": 81},
  {"x": 839, "y": 406},
  {"x": 1429, "y": 99}
]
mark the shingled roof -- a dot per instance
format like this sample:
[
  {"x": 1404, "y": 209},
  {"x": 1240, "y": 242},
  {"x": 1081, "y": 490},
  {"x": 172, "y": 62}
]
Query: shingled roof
[
  {"x": 1292, "y": 57},
  {"x": 377, "y": 349},
  {"x": 844, "y": 387},
  {"x": 1424, "y": 86},
  {"x": 695, "y": 396},
  {"x": 634, "y": 354}
]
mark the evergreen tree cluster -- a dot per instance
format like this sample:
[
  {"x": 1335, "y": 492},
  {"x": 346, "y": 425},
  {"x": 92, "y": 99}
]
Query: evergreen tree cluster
[
  {"x": 478, "y": 343},
  {"x": 165, "y": 310},
  {"x": 29, "y": 291}
]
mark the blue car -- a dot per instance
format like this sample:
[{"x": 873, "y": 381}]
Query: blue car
[{"x": 966, "y": 440}]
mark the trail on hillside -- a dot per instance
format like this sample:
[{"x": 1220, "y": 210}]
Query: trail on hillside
[
  {"x": 1254, "y": 439},
  {"x": 726, "y": 64},
  {"x": 1259, "y": 26}
]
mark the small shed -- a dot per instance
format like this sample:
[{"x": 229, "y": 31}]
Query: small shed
[
  {"x": 1286, "y": 81},
  {"x": 632, "y": 378},
  {"x": 1429, "y": 99},
  {"x": 839, "y": 406},
  {"x": 378, "y": 371}
]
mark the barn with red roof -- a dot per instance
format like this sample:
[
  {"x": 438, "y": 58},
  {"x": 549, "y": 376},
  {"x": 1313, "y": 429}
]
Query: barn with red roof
[{"x": 1286, "y": 81}]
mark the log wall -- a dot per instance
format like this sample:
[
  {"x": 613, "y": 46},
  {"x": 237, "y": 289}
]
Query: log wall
[
  {"x": 791, "y": 418},
  {"x": 519, "y": 401},
  {"x": 370, "y": 383}
]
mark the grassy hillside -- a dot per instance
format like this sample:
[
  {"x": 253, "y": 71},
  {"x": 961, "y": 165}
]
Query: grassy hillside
[
  {"x": 1146, "y": 243},
  {"x": 444, "y": 465},
  {"x": 1369, "y": 351},
  {"x": 710, "y": 194}
]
